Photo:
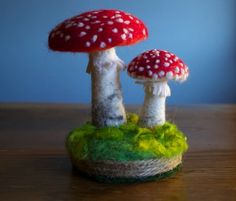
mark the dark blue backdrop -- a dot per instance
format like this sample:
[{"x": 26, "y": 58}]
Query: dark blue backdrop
[{"x": 202, "y": 33}]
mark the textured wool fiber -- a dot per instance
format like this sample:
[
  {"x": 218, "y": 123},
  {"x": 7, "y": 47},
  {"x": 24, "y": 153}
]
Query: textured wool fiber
[
  {"x": 107, "y": 101},
  {"x": 153, "y": 109},
  {"x": 97, "y": 30},
  {"x": 128, "y": 142}
]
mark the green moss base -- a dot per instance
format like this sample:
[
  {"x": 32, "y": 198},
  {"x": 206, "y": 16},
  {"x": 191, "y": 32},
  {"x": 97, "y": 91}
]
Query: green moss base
[{"x": 128, "y": 142}]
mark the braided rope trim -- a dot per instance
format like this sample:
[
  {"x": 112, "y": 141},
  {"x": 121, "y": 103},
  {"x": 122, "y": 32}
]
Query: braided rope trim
[{"x": 128, "y": 169}]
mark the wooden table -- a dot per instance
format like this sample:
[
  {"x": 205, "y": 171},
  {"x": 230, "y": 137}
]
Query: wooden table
[{"x": 34, "y": 165}]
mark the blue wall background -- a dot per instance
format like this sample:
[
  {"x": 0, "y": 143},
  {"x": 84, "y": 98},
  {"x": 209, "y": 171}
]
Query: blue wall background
[{"x": 201, "y": 32}]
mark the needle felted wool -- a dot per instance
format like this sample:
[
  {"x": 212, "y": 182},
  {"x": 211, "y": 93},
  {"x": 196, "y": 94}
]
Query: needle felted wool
[
  {"x": 128, "y": 142},
  {"x": 97, "y": 33},
  {"x": 97, "y": 30},
  {"x": 154, "y": 68},
  {"x": 127, "y": 153}
]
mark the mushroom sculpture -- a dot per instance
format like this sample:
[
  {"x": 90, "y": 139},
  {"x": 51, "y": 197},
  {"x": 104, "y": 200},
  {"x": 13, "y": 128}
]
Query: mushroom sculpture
[
  {"x": 97, "y": 33},
  {"x": 153, "y": 69}
]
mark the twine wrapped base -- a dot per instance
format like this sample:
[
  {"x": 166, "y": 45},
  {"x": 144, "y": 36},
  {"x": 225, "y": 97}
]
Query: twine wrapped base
[{"x": 129, "y": 171}]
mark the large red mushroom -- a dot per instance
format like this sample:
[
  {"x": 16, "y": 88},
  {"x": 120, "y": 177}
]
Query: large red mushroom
[
  {"x": 97, "y": 33},
  {"x": 153, "y": 69}
]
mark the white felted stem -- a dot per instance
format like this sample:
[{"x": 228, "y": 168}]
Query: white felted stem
[
  {"x": 153, "y": 109},
  {"x": 107, "y": 101}
]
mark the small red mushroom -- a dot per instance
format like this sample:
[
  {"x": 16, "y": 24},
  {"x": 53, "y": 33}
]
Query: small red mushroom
[
  {"x": 153, "y": 69},
  {"x": 97, "y": 33}
]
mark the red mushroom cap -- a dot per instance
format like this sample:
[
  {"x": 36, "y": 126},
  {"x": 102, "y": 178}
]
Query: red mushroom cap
[
  {"x": 97, "y": 30},
  {"x": 158, "y": 65}
]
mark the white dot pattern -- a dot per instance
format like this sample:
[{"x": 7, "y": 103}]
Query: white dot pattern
[
  {"x": 158, "y": 65},
  {"x": 95, "y": 30}
]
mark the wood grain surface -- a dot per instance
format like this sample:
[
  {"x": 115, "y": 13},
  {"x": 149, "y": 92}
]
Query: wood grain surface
[{"x": 34, "y": 165}]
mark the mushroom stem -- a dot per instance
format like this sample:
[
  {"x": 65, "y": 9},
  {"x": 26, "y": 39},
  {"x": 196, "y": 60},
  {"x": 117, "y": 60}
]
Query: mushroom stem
[
  {"x": 107, "y": 101},
  {"x": 153, "y": 109}
]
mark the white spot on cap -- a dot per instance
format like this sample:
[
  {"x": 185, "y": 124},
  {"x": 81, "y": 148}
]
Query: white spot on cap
[
  {"x": 68, "y": 26},
  {"x": 177, "y": 69},
  {"x": 132, "y": 63},
  {"x": 96, "y": 22},
  {"x": 130, "y": 35},
  {"x": 115, "y": 30},
  {"x": 167, "y": 55},
  {"x": 104, "y": 16},
  {"x": 110, "y": 22},
  {"x": 147, "y": 61},
  {"x": 131, "y": 29},
  {"x": 161, "y": 73},
  {"x": 150, "y": 73},
  {"x": 127, "y": 22},
  {"x": 102, "y": 45},
  {"x": 144, "y": 56},
  {"x": 61, "y": 35},
  {"x": 144, "y": 32},
  {"x": 123, "y": 36},
  {"x": 109, "y": 40},
  {"x": 87, "y": 27},
  {"x": 166, "y": 64},
  {"x": 100, "y": 29},
  {"x": 169, "y": 75},
  {"x": 94, "y": 38},
  {"x": 117, "y": 15},
  {"x": 125, "y": 30},
  {"x": 176, "y": 77},
  {"x": 82, "y": 34},
  {"x": 148, "y": 67},
  {"x": 155, "y": 66},
  {"x": 86, "y": 19},
  {"x": 141, "y": 69},
  {"x": 87, "y": 44},
  {"x": 94, "y": 17},
  {"x": 117, "y": 11},
  {"x": 137, "y": 21},
  {"x": 81, "y": 24},
  {"x": 157, "y": 53},
  {"x": 176, "y": 59},
  {"x": 155, "y": 76},
  {"x": 120, "y": 20},
  {"x": 181, "y": 64},
  {"x": 67, "y": 37},
  {"x": 186, "y": 68},
  {"x": 171, "y": 61},
  {"x": 131, "y": 17}
]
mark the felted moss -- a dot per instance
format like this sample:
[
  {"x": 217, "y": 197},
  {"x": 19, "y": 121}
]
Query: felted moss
[{"x": 127, "y": 142}]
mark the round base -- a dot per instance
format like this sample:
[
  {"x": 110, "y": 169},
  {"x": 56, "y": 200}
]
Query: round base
[
  {"x": 127, "y": 153},
  {"x": 129, "y": 171}
]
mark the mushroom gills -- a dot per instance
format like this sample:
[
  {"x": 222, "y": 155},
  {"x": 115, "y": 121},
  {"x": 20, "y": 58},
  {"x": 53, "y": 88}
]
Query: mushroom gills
[{"x": 153, "y": 109}]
